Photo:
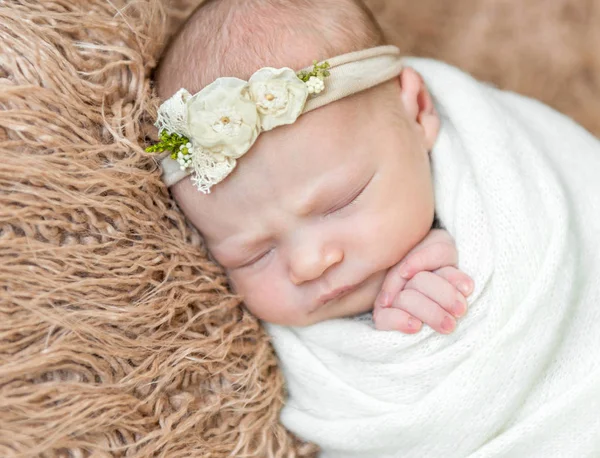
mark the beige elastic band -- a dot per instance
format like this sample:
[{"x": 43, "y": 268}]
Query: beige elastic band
[
  {"x": 356, "y": 72},
  {"x": 349, "y": 74}
]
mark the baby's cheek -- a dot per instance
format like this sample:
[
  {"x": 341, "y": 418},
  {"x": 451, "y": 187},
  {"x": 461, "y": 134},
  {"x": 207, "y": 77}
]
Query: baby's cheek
[
  {"x": 267, "y": 299},
  {"x": 400, "y": 230}
]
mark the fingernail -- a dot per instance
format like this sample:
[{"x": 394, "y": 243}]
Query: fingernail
[
  {"x": 447, "y": 324},
  {"x": 459, "y": 309},
  {"x": 404, "y": 271},
  {"x": 384, "y": 299},
  {"x": 464, "y": 288}
]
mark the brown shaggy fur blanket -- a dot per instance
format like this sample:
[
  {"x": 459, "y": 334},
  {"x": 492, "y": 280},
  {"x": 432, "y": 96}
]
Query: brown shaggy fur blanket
[{"x": 117, "y": 336}]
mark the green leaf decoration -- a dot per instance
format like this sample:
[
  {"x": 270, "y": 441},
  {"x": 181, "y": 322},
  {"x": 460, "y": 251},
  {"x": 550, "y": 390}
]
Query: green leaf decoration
[
  {"x": 170, "y": 142},
  {"x": 319, "y": 70}
]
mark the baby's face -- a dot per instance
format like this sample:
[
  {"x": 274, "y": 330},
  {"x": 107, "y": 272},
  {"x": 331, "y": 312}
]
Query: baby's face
[{"x": 317, "y": 212}]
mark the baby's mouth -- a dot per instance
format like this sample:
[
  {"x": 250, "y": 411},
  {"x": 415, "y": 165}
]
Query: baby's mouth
[
  {"x": 337, "y": 294},
  {"x": 372, "y": 284}
]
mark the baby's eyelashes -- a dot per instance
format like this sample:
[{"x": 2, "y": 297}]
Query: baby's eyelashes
[
  {"x": 255, "y": 260},
  {"x": 345, "y": 204},
  {"x": 351, "y": 200}
]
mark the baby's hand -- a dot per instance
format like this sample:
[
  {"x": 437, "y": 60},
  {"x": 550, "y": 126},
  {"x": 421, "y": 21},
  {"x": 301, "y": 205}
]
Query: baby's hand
[{"x": 425, "y": 287}]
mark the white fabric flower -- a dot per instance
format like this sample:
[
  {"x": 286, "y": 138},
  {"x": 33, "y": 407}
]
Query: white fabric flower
[
  {"x": 222, "y": 118},
  {"x": 279, "y": 96}
]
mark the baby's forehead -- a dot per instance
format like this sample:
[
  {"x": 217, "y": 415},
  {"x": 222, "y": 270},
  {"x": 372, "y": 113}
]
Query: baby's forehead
[{"x": 321, "y": 141}]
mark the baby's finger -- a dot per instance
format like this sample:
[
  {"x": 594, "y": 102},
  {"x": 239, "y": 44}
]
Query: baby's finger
[
  {"x": 431, "y": 257},
  {"x": 440, "y": 291},
  {"x": 457, "y": 278},
  {"x": 392, "y": 285},
  {"x": 391, "y": 319},
  {"x": 421, "y": 307}
]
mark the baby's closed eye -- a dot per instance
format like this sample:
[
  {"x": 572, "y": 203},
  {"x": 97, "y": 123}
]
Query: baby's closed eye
[
  {"x": 255, "y": 259},
  {"x": 348, "y": 201}
]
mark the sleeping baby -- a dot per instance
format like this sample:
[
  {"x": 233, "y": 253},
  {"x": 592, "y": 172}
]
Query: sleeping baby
[
  {"x": 321, "y": 211},
  {"x": 312, "y": 157}
]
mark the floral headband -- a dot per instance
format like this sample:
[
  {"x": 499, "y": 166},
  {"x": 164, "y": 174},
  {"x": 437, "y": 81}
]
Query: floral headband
[{"x": 206, "y": 133}]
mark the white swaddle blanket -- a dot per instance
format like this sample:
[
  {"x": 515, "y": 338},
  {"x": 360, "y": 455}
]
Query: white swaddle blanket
[{"x": 518, "y": 186}]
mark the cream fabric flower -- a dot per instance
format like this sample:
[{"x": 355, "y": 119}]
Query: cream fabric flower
[
  {"x": 279, "y": 95},
  {"x": 223, "y": 118}
]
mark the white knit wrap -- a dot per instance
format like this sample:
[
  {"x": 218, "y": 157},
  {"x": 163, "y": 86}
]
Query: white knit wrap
[
  {"x": 518, "y": 186},
  {"x": 349, "y": 74}
]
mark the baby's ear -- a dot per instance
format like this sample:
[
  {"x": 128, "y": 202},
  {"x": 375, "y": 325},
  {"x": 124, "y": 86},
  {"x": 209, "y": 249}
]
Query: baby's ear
[{"x": 419, "y": 105}]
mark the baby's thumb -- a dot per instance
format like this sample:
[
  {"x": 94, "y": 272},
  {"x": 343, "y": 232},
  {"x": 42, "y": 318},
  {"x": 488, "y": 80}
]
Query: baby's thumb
[{"x": 392, "y": 285}]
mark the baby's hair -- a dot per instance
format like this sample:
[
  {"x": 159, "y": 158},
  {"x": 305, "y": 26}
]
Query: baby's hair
[{"x": 236, "y": 38}]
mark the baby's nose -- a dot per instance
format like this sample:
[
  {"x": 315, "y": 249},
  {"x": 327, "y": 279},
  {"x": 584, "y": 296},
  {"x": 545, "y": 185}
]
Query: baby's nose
[{"x": 307, "y": 265}]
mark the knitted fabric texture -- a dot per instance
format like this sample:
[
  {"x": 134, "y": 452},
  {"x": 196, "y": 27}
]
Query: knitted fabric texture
[
  {"x": 517, "y": 185},
  {"x": 117, "y": 336}
]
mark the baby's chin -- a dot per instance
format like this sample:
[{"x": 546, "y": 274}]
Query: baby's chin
[{"x": 357, "y": 302}]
